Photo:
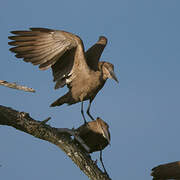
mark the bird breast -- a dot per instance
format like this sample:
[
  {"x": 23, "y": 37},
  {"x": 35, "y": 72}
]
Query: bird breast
[{"x": 87, "y": 87}]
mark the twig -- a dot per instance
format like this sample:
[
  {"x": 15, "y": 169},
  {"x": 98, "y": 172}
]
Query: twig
[
  {"x": 46, "y": 120},
  {"x": 15, "y": 86}
]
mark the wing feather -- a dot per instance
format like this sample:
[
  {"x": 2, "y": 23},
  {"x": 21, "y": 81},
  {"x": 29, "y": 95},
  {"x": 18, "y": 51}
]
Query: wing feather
[
  {"x": 93, "y": 54},
  {"x": 167, "y": 171},
  {"x": 62, "y": 51}
]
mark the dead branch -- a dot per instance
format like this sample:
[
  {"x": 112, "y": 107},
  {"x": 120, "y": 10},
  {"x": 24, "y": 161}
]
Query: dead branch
[
  {"x": 15, "y": 86},
  {"x": 23, "y": 122}
]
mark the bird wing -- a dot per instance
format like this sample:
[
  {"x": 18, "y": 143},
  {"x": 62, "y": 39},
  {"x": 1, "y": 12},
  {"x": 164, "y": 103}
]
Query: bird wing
[
  {"x": 60, "y": 50},
  {"x": 167, "y": 171},
  {"x": 93, "y": 54}
]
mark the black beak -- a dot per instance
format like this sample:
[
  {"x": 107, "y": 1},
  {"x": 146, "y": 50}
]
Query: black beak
[{"x": 114, "y": 76}]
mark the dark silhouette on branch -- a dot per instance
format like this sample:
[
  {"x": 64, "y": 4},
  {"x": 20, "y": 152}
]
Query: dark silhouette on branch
[
  {"x": 23, "y": 122},
  {"x": 167, "y": 171},
  {"x": 96, "y": 136}
]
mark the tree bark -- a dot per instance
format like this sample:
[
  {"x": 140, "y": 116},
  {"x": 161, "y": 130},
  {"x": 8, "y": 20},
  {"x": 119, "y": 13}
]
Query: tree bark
[
  {"x": 23, "y": 122},
  {"x": 16, "y": 86}
]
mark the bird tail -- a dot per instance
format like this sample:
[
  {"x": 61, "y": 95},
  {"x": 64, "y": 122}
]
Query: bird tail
[{"x": 60, "y": 101}]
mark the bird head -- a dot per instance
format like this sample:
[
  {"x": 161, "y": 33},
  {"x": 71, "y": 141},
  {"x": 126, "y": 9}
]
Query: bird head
[
  {"x": 108, "y": 70},
  {"x": 102, "y": 40},
  {"x": 104, "y": 129}
]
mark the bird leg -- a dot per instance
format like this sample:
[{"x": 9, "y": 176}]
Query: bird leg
[
  {"x": 88, "y": 109},
  {"x": 82, "y": 112},
  {"x": 103, "y": 163}
]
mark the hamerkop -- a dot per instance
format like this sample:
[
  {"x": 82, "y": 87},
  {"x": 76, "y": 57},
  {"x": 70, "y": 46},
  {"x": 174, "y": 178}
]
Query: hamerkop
[
  {"x": 167, "y": 171},
  {"x": 95, "y": 135},
  {"x": 64, "y": 52}
]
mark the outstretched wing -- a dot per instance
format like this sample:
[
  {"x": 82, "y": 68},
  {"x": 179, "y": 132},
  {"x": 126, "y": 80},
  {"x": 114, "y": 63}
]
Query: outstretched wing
[
  {"x": 62, "y": 51},
  {"x": 93, "y": 54}
]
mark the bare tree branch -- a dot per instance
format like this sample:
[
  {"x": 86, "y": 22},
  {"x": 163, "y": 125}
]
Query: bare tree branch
[
  {"x": 15, "y": 86},
  {"x": 23, "y": 122}
]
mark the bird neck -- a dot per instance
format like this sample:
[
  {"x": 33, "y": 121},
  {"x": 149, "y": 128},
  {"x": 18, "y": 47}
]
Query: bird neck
[
  {"x": 104, "y": 75},
  {"x": 102, "y": 70}
]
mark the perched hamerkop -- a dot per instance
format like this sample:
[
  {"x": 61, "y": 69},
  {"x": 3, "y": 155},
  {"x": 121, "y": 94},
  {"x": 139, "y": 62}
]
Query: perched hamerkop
[
  {"x": 96, "y": 136},
  {"x": 64, "y": 52}
]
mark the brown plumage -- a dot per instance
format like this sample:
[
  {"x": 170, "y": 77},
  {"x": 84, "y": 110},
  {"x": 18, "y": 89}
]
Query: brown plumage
[
  {"x": 64, "y": 52},
  {"x": 96, "y": 136},
  {"x": 167, "y": 171}
]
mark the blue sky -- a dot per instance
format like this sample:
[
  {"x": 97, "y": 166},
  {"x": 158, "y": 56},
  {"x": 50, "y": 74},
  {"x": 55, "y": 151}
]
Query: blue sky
[{"x": 142, "y": 110}]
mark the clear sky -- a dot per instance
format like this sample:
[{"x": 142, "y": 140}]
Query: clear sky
[{"x": 143, "y": 110}]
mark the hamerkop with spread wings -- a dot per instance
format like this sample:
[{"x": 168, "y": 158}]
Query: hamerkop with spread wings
[
  {"x": 95, "y": 135},
  {"x": 167, "y": 171},
  {"x": 64, "y": 52}
]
